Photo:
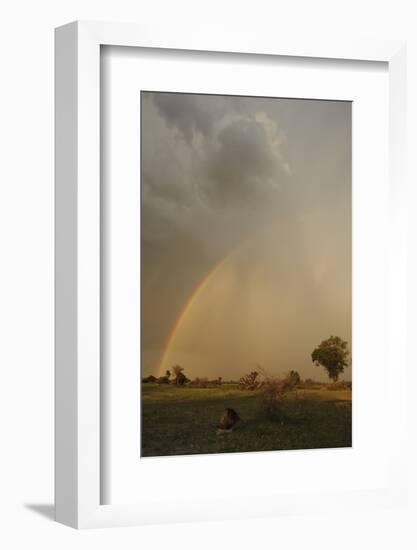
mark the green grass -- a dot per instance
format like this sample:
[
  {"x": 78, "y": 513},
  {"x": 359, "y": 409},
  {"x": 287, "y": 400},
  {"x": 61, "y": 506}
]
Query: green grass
[{"x": 182, "y": 420}]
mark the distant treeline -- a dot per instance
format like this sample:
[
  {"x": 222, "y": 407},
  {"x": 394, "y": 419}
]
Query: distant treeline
[
  {"x": 331, "y": 354},
  {"x": 247, "y": 382},
  {"x": 184, "y": 381}
]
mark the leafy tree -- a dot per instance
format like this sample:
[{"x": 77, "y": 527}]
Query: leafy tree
[
  {"x": 177, "y": 369},
  {"x": 333, "y": 355},
  {"x": 180, "y": 378}
]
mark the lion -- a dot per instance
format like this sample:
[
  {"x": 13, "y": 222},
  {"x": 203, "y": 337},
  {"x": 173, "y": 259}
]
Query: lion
[{"x": 228, "y": 421}]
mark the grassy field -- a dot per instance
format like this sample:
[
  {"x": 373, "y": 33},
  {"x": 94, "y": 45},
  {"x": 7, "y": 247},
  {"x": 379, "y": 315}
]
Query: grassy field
[{"x": 183, "y": 420}]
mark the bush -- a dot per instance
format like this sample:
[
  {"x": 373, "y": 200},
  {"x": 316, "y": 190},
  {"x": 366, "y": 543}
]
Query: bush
[
  {"x": 273, "y": 395},
  {"x": 291, "y": 381},
  {"x": 249, "y": 381},
  {"x": 342, "y": 385},
  {"x": 274, "y": 391},
  {"x": 294, "y": 379},
  {"x": 206, "y": 383},
  {"x": 149, "y": 379},
  {"x": 310, "y": 384},
  {"x": 199, "y": 383}
]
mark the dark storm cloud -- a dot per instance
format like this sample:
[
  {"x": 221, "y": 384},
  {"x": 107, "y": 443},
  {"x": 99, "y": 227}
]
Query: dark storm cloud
[
  {"x": 210, "y": 152},
  {"x": 189, "y": 114},
  {"x": 243, "y": 165}
]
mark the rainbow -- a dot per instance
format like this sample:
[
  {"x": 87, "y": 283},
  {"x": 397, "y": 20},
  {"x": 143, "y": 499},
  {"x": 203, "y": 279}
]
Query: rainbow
[
  {"x": 189, "y": 303},
  {"x": 199, "y": 289}
]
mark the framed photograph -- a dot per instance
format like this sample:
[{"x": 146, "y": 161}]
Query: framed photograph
[
  {"x": 246, "y": 265},
  {"x": 230, "y": 275}
]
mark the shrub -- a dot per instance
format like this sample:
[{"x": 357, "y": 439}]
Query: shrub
[
  {"x": 291, "y": 381},
  {"x": 294, "y": 378},
  {"x": 149, "y": 379},
  {"x": 249, "y": 381},
  {"x": 342, "y": 385},
  {"x": 310, "y": 384},
  {"x": 272, "y": 397},
  {"x": 206, "y": 383},
  {"x": 199, "y": 382},
  {"x": 274, "y": 393}
]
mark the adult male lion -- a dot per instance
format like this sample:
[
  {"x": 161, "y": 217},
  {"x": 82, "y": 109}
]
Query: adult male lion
[{"x": 228, "y": 421}]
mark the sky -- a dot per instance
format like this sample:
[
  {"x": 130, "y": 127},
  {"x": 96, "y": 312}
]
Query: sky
[{"x": 245, "y": 233}]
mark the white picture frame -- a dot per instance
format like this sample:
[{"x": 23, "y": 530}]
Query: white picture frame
[{"x": 78, "y": 406}]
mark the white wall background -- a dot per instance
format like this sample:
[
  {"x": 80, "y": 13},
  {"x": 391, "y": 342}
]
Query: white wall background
[{"x": 26, "y": 270}]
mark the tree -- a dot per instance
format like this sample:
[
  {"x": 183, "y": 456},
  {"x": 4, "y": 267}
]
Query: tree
[
  {"x": 333, "y": 355},
  {"x": 180, "y": 378},
  {"x": 177, "y": 369},
  {"x": 168, "y": 373}
]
